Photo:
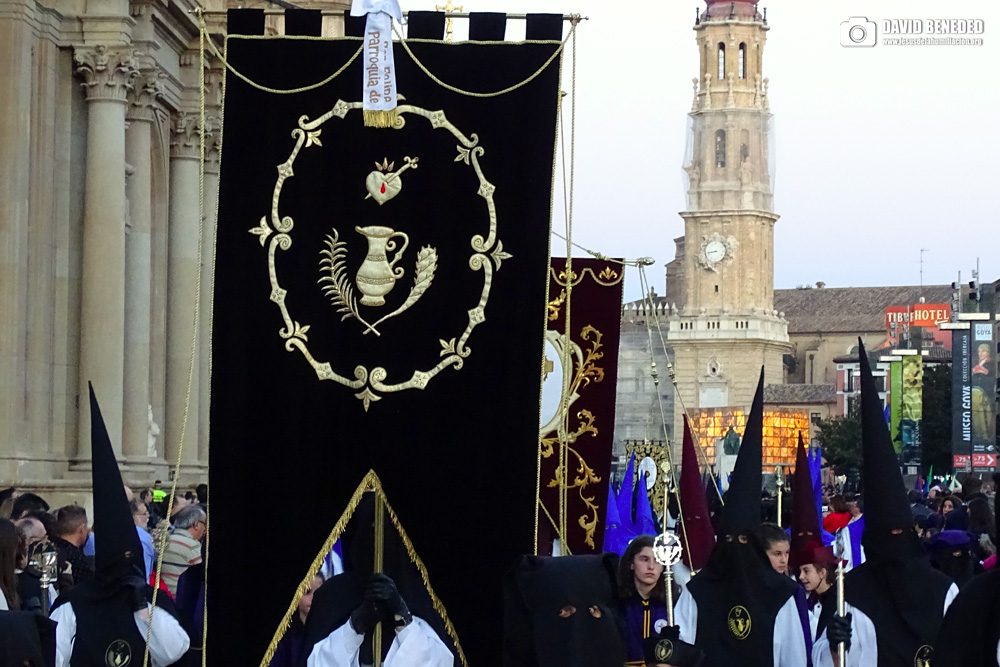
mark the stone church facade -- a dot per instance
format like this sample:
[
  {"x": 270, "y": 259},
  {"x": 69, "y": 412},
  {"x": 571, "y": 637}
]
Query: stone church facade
[{"x": 105, "y": 260}]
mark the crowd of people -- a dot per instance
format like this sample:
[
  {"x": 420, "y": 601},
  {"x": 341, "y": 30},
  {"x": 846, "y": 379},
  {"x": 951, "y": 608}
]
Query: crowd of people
[
  {"x": 29, "y": 528},
  {"x": 920, "y": 582}
]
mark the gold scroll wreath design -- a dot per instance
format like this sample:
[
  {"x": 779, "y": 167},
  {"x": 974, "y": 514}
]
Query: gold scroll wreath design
[
  {"x": 487, "y": 256},
  {"x": 587, "y": 371}
]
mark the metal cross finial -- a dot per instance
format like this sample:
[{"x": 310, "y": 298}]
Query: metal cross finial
[{"x": 448, "y": 8}]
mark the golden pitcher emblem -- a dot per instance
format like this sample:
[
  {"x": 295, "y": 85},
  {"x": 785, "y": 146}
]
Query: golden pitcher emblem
[
  {"x": 739, "y": 622},
  {"x": 119, "y": 654},
  {"x": 377, "y": 277}
]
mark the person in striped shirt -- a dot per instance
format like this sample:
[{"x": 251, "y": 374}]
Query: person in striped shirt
[{"x": 184, "y": 545}]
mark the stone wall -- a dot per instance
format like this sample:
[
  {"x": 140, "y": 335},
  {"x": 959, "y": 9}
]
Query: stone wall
[{"x": 102, "y": 245}]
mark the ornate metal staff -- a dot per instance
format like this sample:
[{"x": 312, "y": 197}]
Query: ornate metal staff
[
  {"x": 47, "y": 564},
  {"x": 667, "y": 552},
  {"x": 838, "y": 548},
  {"x": 779, "y": 474}
]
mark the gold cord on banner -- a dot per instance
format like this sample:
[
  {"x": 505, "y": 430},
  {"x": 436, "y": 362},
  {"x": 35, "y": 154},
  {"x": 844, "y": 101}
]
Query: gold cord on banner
[
  {"x": 266, "y": 89},
  {"x": 162, "y": 542},
  {"x": 379, "y": 566},
  {"x": 562, "y": 472},
  {"x": 574, "y": 21},
  {"x": 663, "y": 417},
  {"x": 371, "y": 482},
  {"x": 651, "y": 308},
  {"x": 291, "y": 91}
]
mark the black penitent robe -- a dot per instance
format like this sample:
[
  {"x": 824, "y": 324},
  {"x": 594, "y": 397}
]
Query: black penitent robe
[
  {"x": 971, "y": 629},
  {"x": 26, "y": 638},
  {"x": 106, "y": 632},
  {"x": 905, "y": 604}
]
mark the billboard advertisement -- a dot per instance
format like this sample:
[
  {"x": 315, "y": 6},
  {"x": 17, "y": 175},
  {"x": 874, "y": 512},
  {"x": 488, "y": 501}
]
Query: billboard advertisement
[
  {"x": 899, "y": 319},
  {"x": 912, "y": 405},
  {"x": 896, "y": 403},
  {"x": 982, "y": 405},
  {"x": 961, "y": 399}
]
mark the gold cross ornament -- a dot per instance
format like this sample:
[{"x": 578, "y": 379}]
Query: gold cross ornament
[{"x": 448, "y": 26}]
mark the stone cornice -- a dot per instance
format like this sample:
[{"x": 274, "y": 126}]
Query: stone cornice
[{"x": 108, "y": 72}]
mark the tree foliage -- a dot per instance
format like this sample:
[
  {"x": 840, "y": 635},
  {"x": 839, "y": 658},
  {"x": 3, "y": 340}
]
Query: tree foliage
[
  {"x": 840, "y": 438},
  {"x": 935, "y": 426}
]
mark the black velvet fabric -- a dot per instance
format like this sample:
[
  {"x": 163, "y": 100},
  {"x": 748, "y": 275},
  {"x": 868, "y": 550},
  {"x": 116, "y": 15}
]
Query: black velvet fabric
[
  {"x": 245, "y": 22},
  {"x": 458, "y": 458},
  {"x": 487, "y": 26},
  {"x": 425, "y": 25},
  {"x": 305, "y": 22},
  {"x": 354, "y": 26},
  {"x": 544, "y": 27}
]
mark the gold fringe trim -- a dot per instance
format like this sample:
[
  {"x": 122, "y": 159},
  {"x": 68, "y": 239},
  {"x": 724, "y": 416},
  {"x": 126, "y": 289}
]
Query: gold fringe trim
[
  {"x": 371, "y": 482},
  {"x": 375, "y": 118}
]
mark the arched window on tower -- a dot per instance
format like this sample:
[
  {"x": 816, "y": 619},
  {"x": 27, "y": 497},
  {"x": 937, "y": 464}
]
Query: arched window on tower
[
  {"x": 743, "y": 60},
  {"x": 720, "y": 149},
  {"x": 722, "y": 61}
]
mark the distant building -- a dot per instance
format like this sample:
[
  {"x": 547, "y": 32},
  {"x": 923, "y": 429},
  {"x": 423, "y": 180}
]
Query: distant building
[{"x": 825, "y": 323}]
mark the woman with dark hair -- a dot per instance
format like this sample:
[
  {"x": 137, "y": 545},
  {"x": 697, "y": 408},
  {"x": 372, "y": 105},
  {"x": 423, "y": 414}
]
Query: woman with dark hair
[
  {"x": 642, "y": 595},
  {"x": 8, "y": 566}
]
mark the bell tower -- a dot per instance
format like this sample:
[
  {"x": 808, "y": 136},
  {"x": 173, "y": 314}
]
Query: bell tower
[{"x": 720, "y": 286}]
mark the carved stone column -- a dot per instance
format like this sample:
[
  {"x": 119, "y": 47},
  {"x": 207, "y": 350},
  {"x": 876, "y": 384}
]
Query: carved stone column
[
  {"x": 183, "y": 269},
  {"x": 138, "y": 262},
  {"x": 108, "y": 74},
  {"x": 213, "y": 99}
]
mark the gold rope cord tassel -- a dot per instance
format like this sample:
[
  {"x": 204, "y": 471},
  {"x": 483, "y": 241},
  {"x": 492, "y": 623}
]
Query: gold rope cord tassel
[{"x": 376, "y": 118}]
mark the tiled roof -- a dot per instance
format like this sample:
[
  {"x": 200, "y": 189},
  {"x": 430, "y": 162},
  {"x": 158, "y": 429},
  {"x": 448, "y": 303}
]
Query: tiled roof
[
  {"x": 935, "y": 353},
  {"x": 813, "y": 394},
  {"x": 849, "y": 309}
]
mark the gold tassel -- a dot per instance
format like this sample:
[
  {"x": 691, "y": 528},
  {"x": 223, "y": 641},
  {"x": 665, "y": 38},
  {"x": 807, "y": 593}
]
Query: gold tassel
[{"x": 376, "y": 118}]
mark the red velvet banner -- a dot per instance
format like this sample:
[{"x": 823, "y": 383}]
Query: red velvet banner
[{"x": 579, "y": 438}]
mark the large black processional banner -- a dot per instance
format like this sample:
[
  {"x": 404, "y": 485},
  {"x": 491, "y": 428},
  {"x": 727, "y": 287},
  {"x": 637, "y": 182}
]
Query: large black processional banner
[{"x": 379, "y": 304}]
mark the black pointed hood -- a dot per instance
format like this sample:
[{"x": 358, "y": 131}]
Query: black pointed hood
[
  {"x": 886, "y": 506},
  {"x": 742, "y": 510},
  {"x": 117, "y": 550},
  {"x": 739, "y": 575}
]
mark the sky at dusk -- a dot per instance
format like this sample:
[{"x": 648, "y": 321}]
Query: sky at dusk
[{"x": 880, "y": 151}]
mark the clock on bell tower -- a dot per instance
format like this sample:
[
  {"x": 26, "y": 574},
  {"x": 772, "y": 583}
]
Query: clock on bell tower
[{"x": 724, "y": 326}]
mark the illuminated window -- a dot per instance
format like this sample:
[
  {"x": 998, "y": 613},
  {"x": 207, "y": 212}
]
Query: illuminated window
[
  {"x": 780, "y": 432},
  {"x": 722, "y": 61},
  {"x": 743, "y": 61}
]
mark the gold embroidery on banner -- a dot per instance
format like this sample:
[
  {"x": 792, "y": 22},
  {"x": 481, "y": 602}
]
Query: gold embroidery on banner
[
  {"x": 587, "y": 371},
  {"x": 555, "y": 305},
  {"x": 372, "y": 383},
  {"x": 384, "y": 183},
  {"x": 608, "y": 274},
  {"x": 371, "y": 482},
  {"x": 923, "y": 656},
  {"x": 607, "y": 278}
]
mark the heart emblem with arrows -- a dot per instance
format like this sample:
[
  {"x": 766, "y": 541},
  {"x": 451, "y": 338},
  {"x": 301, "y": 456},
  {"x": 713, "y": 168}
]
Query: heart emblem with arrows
[{"x": 384, "y": 183}]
